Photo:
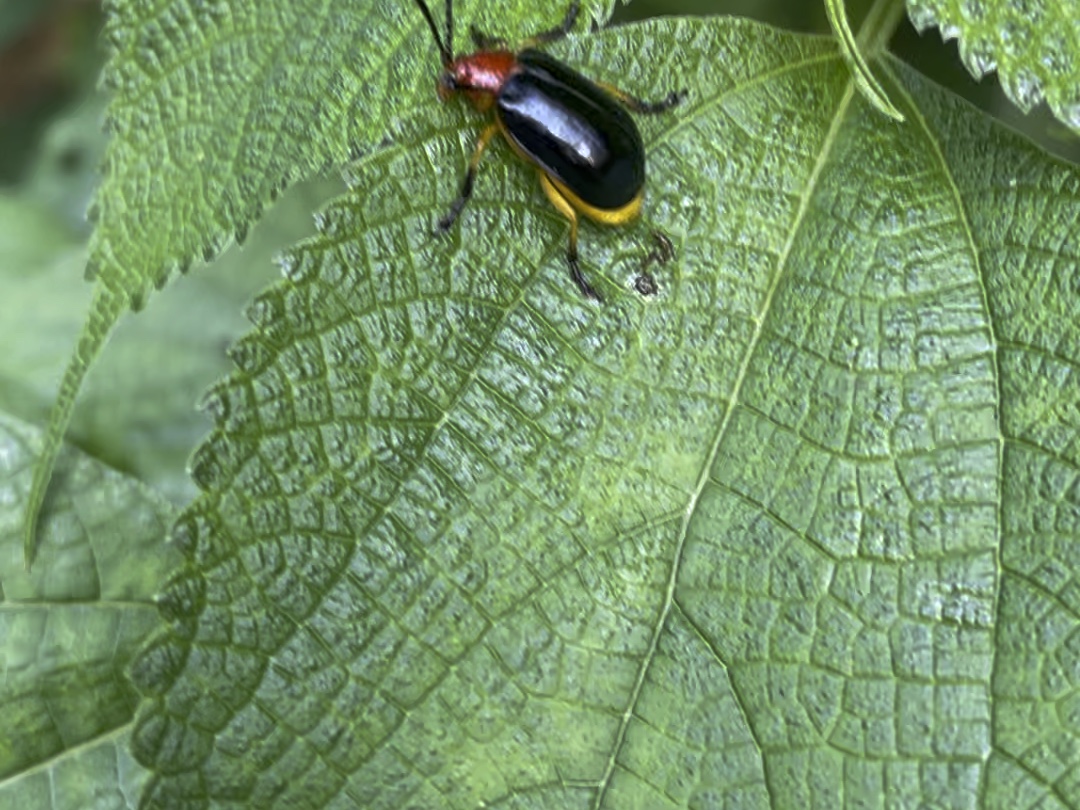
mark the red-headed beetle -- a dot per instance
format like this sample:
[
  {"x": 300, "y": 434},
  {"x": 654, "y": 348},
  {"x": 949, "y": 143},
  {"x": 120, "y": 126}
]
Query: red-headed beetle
[{"x": 576, "y": 132}]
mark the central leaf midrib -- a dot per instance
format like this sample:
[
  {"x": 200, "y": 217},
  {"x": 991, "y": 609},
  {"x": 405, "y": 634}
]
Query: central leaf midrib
[{"x": 721, "y": 432}]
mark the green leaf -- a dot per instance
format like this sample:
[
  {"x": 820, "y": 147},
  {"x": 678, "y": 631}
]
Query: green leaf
[
  {"x": 70, "y": 629},
  {"x": 798, "y": 532},
  {"x": 1034, "y": 47}
]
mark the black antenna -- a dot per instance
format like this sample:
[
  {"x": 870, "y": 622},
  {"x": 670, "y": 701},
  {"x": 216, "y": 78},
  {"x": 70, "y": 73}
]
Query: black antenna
[
  {"x": 446, "y": 51},
  {"x": 449, "y": 31}
]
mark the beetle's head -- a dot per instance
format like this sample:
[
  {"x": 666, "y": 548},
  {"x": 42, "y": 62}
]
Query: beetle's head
[
  {"x": 479, "y": 76},
  {"x": 449, "y": 81}
]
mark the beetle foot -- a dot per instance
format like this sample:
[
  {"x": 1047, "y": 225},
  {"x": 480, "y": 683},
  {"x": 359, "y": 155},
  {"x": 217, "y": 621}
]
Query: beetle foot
[
  {"x": 486, "y": 42},
  {"x": 579, "y": 278},
  {"x": 646, "y": 285},
  {"x": 673, "y": 99},
  {"x": 662, "y": 253},
  {"x": 643, "y": 107},
  {"x": 447, "y": 220}
]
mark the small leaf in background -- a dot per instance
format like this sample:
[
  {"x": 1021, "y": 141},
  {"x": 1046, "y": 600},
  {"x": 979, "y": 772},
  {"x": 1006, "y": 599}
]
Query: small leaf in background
[
  {"x": 65, "y": 172},
  {"x": 1033, "y": 46},
  {"x": 71, "y": 627}
]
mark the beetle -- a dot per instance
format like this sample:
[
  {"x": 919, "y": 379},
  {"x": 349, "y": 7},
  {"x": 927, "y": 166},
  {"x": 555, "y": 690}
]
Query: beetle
[{"x": 577, "y": 132}]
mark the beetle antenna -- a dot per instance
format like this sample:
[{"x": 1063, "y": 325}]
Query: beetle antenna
[
  {"x": 446, "y": 53},
  {"x": 449, "y": 31}
]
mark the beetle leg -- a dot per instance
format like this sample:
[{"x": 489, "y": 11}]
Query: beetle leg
[
  {"x": 458, "y": 204},
  {"x": 646, "y": 107},
  {"x": 486, "y": 42},
  {"x": 567, "y": 210},
  {"x": 558, "y": 32},
  {"x": 664, "y": 252}
]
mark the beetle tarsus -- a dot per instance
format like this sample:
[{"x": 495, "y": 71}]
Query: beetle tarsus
[
  {"x": 458, "y": 205},
  {"x": 486, "y": 42},
  {"x": 662, "y": 253},
  {"x": 560, "y": 30},
  {"x": 673, "y": 99},
  {"x": 583, "y": 284},
  {"x": 646, "y": 285},
  {"x": 463, "y": 196}
]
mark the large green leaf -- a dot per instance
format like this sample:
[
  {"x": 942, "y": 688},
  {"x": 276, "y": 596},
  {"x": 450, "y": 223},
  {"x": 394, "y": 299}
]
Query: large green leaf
[
  {"x": 69, "y": 630},
  {"x": 798, "y": 532},
  {"x": 1034, "y": 46}
]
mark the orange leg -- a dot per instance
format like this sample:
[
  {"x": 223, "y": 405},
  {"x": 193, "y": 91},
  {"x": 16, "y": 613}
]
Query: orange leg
[
  {"x": 645, "y": 107},
  {"x": 563, "y": 205},
  {"x": 470, "y": 176}
]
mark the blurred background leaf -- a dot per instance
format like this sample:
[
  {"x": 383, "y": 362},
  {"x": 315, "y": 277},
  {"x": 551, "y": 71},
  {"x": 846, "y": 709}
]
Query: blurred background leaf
[{"x": 70, "y": 628}]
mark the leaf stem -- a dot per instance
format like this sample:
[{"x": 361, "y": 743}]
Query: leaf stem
[
  {"x": 105, "y": 311},
  {"x": 878, "y": 26}
]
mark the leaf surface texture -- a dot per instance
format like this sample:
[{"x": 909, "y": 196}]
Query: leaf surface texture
[{"x": 793, "y": 534}]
